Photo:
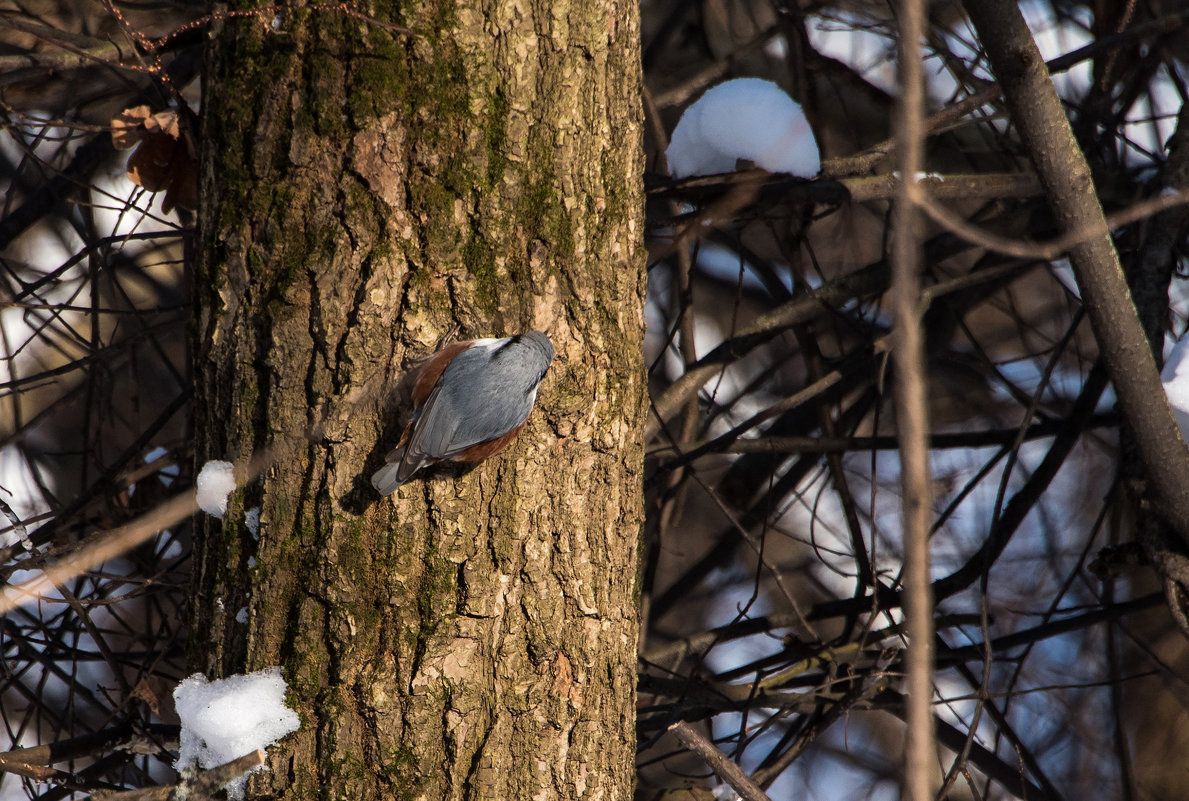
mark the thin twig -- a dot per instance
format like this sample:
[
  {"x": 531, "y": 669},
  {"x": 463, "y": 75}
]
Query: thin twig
[
  {"x": 1056, "y": 247},
  {"x": 724, "y": 768},
  {"x": 912, "y": 422},
  {"x": 115, "y": 542},
  {"x": 1040, "y": 116}
]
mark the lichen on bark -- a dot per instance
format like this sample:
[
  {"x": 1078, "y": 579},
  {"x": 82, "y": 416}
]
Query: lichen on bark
[{"x": 364, "y": 193}]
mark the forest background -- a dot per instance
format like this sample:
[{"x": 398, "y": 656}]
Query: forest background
[{"x": 768, "y": 577}]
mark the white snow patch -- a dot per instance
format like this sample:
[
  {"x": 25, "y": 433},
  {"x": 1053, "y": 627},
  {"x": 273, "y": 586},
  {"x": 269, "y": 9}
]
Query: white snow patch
[
  {"x": 1062, "y": 270},
  {"x": 215, "y": 482},
  {"x": 1175, "y": 377},
  {"x": 225, "y": 719},
  {"x": 745, "y": 118},
  {"x": 724, "y": 264},
  {"x": 252, "y": 521},
  {"x": 173, "y": 549},
  {"x": 922, "y": 176}
]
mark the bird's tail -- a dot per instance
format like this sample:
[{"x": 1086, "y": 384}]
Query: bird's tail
[{"x": 386, "y": 480}]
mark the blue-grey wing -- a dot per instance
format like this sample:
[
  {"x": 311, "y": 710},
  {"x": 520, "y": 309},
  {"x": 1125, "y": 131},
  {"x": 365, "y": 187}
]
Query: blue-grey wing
[
  {"x": 470, "y": 405},
  {"x": 484, "y": 393}
]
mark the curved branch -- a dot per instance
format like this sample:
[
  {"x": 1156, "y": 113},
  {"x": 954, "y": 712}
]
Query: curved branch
[{"x": 1036, "y": 109}]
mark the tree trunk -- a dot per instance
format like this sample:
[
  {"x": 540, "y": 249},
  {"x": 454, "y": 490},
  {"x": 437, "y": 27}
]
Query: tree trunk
[{"x": 365, "y": 196}]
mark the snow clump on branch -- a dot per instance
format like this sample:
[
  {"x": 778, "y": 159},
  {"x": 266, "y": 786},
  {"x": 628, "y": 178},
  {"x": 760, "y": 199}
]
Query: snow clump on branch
[
  {"x": 745, "y": 118},
  {"x": 225, "y": 719}
]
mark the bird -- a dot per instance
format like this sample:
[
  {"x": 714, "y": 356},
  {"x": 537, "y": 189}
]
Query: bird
[{"x": 470, "y": 400}]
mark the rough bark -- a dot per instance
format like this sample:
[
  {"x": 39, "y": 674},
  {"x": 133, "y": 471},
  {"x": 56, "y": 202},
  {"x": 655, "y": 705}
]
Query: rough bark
[{"x": 364, "y": 194}]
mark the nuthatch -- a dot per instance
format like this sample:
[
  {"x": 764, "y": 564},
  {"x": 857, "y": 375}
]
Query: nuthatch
[{"x": 470, "y": 400}]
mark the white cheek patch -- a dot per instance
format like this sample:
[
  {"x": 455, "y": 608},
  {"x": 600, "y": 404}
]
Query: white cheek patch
[{"x": 488, "y": 343}]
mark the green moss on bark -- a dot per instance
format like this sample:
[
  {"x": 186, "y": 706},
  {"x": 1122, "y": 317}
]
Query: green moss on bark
[{"x": 365, "y": 187}]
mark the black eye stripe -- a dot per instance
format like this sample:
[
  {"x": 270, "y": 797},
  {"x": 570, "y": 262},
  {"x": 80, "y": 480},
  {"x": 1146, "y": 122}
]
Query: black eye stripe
[{"x": 514, "y": 340}]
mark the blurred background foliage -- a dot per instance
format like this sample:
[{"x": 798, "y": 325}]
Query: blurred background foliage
[{"x": 769, "y": 592}]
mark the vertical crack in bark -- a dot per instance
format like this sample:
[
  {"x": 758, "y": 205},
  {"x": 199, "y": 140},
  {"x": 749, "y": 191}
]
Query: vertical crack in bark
[{"x": 430, "y": 639}]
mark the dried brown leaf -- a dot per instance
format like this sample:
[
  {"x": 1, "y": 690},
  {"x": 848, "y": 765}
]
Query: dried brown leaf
[
  {"x": 127, "y": 127},
  {"x": 164, "y": 121},
  {"x": 149, "y": 166},
  {"x": 165, "y": 163},
  {"x": 183, "y": 185},
  {"x": 143, "y": 692}
]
